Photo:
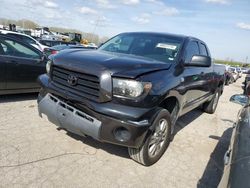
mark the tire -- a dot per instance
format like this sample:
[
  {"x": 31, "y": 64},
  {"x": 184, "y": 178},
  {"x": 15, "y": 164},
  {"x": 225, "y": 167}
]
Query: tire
[
  {"x": 156, "y": 142},
  {"x": 210, "y": 107}
]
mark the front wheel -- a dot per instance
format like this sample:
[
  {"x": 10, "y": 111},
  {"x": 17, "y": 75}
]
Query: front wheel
[
  {"x": 211, "y": 106},
  {"x": 156, "y": 143}
]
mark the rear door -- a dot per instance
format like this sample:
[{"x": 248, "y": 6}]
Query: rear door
[
  {"x": 22, "y": 64},
  {"x": 208, "y": 72}
]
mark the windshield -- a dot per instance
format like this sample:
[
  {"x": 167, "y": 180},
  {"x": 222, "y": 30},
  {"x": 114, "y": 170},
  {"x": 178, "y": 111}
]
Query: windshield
[{"x": 157, "y": 47}]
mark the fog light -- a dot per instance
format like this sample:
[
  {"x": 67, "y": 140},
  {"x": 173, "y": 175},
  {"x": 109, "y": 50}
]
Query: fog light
[{"x": 122, "y": 134}]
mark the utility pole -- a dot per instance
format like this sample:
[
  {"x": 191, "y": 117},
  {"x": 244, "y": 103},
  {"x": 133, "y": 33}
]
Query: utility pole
[
  {"x": 95, "y": 27},
  {"x": 246, "y": 59}
]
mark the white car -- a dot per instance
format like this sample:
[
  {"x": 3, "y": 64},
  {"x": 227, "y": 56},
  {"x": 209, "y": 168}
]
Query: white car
[
  {"x": 25, "y": 38},
  {"x": 234, "y": 72},
  {"x": 238, "y": 69}
]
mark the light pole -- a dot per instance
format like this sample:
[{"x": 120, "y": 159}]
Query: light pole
[{"x": 95, "y": 26}]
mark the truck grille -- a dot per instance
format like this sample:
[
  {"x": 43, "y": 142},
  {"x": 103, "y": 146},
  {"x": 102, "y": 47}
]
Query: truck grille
[{"x": 86, "y": 85}]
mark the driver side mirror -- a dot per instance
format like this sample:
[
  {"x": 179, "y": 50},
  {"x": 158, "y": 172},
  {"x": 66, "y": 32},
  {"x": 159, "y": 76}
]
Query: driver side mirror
[
  {"x": 200, "y": 61},
  {"x": 240, "y": 99}
]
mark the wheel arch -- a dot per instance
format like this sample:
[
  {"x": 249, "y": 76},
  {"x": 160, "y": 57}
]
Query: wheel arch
[
  {"x": 220, "y": 85},
  {"x": 169, "y": 103}
]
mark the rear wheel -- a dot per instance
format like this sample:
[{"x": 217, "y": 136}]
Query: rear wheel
[
  {"x": 156, "y": 143},
  {"x": 211, "y": 106}
]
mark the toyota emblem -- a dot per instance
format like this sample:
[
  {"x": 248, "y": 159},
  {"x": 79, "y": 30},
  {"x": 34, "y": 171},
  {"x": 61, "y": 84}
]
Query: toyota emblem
[{"x": 72, "y": 80}]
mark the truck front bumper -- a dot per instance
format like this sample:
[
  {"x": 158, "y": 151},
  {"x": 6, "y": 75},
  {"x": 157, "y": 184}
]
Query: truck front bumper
[
  {"x": 96, "y": 125},
  {"x": 68, "y": 117}
]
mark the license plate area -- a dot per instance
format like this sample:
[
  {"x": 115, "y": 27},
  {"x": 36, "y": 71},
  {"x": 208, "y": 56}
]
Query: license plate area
[{"x": 73, "y": 119}]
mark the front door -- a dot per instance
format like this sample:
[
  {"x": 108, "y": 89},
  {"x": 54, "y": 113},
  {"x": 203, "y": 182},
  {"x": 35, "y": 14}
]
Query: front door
[
  {"x": 22, "y": 65},
  {"x": 2, "y": 68},
  {"x": 193, "y": 77}
]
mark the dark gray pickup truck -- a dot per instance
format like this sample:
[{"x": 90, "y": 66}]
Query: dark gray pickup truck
[{"x": 131, "y": 90}]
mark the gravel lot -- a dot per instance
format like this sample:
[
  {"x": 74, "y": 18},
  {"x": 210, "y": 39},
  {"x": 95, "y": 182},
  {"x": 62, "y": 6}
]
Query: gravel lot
[{"x": 34, "y": 153}]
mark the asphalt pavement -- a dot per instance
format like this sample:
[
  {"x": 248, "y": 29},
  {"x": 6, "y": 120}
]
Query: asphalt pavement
[{"x": 34, "y": 153}]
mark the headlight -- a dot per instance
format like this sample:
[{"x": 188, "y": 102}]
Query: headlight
[
  {"x": 48, "y": 65},
  {"x": 129, "y": 88}
]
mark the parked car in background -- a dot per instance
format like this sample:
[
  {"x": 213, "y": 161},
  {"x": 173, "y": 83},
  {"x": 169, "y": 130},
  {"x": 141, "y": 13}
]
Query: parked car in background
[
  {"x": 25, "y": 38},
  {"x": 150, "y": 79},
  {"x": 238, "y": 69},
  {"x": 237, "y": 158},
  {"x": 244, "y": 70},
  {"x": 51, "y": 43},
  {"x": 91, "y": 45},
  {"x": 228, "y": 76},
  {"x": 246, "y": 82},
  {"x": 57, "y": 48},
  {"x": 20, "y": 65},
  {"x": 234, "y": 73}
]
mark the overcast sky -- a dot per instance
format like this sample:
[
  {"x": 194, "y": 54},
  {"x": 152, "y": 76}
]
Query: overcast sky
[{"x": 223, "y": 24}]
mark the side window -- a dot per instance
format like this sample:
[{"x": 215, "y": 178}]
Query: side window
[
  {"x": 203, "y": 49},
  {"x": 191, "y": 50},
  {"x": 3, "y": 48},
  {"x": 13, "y": 48},
  {"x": 23, "y": 38},
  {"x": 28, "y": 40}
]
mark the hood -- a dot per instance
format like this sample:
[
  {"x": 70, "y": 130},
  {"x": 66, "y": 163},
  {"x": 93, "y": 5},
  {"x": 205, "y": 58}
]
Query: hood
[{"x": 96, "y": 62}]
